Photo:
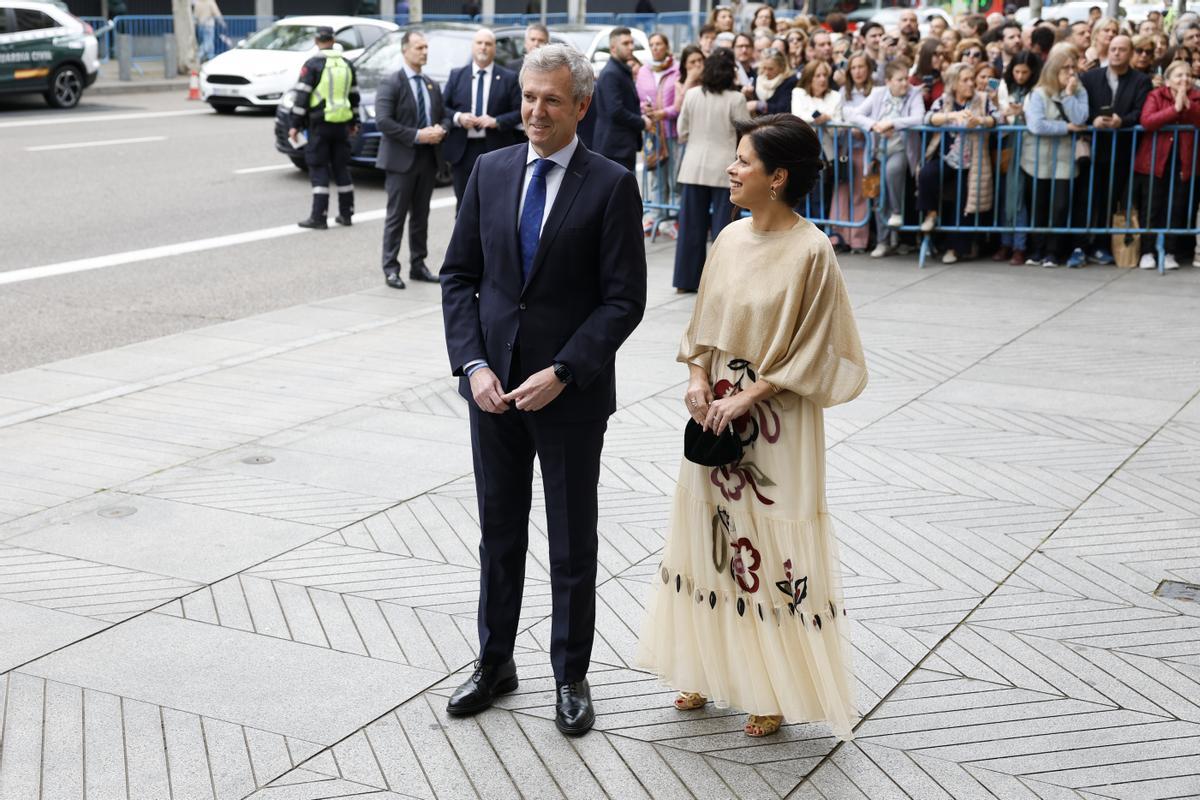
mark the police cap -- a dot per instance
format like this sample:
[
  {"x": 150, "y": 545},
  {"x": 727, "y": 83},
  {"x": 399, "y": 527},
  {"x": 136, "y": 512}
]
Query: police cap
[{"x": 324, "y": 34}]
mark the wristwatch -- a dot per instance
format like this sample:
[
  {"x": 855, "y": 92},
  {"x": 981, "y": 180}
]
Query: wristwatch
[{"x": 563, "y": 373}]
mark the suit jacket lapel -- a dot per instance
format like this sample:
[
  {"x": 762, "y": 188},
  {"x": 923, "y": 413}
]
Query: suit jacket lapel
[
  {"x": 512, "y": 213},
  {"x": 571, "y": 182},
  {"x": 409, "y": 93},
  {"x": 493, "y": 94}
]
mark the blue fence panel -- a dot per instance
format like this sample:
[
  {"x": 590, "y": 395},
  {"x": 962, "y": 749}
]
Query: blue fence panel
[
  {"x": 645, "y": 22},
  {"x": 146, "y": 33}
]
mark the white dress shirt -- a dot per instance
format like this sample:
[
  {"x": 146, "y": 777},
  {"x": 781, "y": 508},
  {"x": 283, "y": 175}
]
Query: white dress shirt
[
  {"x": 554, "y": 177},
  {"x": 488, "y": 74}
]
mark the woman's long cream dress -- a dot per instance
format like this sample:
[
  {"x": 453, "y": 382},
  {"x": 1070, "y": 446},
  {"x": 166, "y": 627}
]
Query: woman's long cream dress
[{"x": 747, "y": 606}]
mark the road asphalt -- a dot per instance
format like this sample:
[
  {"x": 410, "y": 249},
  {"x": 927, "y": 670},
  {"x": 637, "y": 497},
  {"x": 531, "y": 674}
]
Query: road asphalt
[{"x": 119, "y": 175}]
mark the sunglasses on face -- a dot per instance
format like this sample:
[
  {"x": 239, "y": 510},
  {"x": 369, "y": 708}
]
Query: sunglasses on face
[
  {"x": 1145, "y": 51},
  {"x": 973, "y": 54}
]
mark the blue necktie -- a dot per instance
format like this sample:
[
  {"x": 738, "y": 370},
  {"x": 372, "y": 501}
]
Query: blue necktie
[
  {"x": 531, "y": 215},
  {"x": 479, "y": 94},
  {"x": 417, "y": 90}
]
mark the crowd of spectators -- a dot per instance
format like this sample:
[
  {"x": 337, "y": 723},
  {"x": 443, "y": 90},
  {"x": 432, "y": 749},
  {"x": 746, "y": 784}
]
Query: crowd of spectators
[{"x": 1060, "y": 89}]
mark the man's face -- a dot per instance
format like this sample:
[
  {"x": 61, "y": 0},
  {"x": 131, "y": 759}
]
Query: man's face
[
  {"x": 1191, "y": 38},
  {"x": 621, "y": 47},
  {"x": 823, "y": 47},
  {"x": 535, "y": 39},
  {"x": 1012, "y": 41},
  {"x": 743, "y": 50},
  {"x": 548, "y": 110},
  {"x": 417, "y": 51},
  {"x": 874, "y": 38},
  {"x": 706, "y": 43},
  {"x": 1119, "y": 51},
  {"x": 483, "y": 47},
  {"x": 760, "y": 44},
  {"x": 908, "y": 22},
  {"x": 937, "y": 26},
  {"x": 1081, "y": 36}
]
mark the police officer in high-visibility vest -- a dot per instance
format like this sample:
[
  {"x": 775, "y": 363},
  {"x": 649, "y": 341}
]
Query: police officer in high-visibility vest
[{"x": 326, "y": 102}]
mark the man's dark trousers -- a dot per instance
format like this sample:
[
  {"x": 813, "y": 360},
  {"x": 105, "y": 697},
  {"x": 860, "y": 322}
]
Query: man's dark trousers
[
  {"x": 504, "y": 446},
  {"x": 329, "y": 148},
  {"x": 408, "y": 192}
]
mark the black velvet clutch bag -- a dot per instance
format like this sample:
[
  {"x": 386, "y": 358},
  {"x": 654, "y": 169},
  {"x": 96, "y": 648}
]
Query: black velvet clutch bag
[{"x": 708, "y": 448}]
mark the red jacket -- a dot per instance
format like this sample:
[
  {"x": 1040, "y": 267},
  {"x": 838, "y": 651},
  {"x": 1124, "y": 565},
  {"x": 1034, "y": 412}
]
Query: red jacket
[{"x": 1158, "y": 111}]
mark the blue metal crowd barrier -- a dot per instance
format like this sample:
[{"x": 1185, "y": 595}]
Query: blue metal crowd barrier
[
  {"x": 146, "y": 33},
  {"x": 1067, "y": 185},
  {"x": 1100, "y": 197}
]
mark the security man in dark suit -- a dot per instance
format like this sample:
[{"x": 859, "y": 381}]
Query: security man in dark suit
[
  {"x": 1125, "y": 103},
  {"x": 483, "y": 102},
  {"x": 544, "y": 278},
  {"x": 412, "y": 119},
  {"x": 326, "y": 102},
  {"x": 619, "y": 120}
]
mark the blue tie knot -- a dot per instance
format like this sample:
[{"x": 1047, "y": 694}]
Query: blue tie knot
[{"x": 541, "y": 167}]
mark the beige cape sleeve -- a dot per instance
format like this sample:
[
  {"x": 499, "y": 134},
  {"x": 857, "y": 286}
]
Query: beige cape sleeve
[{"x": 821, "y": 356}]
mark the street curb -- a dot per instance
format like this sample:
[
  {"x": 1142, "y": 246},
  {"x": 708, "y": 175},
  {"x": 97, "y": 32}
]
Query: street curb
[{"x": 136, "y": 87}]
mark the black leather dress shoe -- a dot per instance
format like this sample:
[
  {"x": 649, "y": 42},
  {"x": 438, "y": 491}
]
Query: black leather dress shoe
[
  {"x": 393, "y": 279},
  {"x": 318, "y": 223},
  {"x": 573, "y": 713},
  {"x": 488, "y": 682},
  {"x": 420, "y": 272},
  {"x": 343, "y": 220}
]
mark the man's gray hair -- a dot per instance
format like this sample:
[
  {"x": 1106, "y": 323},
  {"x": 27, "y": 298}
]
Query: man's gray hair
[{"x": 554, "y": 57}]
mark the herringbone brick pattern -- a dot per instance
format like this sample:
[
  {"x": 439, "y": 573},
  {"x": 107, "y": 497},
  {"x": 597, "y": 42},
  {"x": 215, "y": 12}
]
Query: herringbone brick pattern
[{"x": 1021, "y": 474}]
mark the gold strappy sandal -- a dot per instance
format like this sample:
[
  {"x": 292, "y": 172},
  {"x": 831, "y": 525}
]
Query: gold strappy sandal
[
  {"x": 690, "y": 701},
  {"x": 759, "y": 726}
]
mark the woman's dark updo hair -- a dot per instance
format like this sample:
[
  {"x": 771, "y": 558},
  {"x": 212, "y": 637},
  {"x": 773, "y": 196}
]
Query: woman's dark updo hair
[
  {"x": 720, "y": 72},
  {"x": 784, "y": 141}
]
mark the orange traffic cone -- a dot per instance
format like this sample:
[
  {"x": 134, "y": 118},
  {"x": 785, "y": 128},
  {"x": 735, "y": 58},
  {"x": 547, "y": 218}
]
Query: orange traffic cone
[{"x": 194, "y": 86}]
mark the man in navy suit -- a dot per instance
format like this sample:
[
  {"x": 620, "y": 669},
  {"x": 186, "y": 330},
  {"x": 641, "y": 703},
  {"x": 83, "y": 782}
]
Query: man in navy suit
[
  {"x": 619, "y": 119},
  {"x": 544, "y": 278},
  {"x": 483, "y": 101}
]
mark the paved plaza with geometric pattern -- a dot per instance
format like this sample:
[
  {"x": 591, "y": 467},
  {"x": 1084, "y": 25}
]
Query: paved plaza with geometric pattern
[{"x": 242, "y": 561}]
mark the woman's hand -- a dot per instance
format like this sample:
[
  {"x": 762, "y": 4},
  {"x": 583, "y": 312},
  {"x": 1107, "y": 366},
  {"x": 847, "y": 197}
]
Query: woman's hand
[
  {"x": 722, "y": 413},
  {"x": 1073, "y": 128},
  {"x": 884, "y": 126},
  {"x": 697, "y": 399},
  {"x": 821, "y": 120},
  {"x": 1072, "y": 85}
]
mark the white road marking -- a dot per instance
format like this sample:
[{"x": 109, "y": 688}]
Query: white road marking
[
  {"x": 181, "y": 248},
  {"x": 105, "y": 143},
  {"x": 272, "y": 168},
  {"x": 83, "y": 119}
]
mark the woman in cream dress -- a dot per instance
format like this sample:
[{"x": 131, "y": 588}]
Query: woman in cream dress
[{"x": 747, "y": 605}]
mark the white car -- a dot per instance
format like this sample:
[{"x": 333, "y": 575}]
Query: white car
[
  {"x": 592, "y": 41},
  {"x": 263, "y": 67}
]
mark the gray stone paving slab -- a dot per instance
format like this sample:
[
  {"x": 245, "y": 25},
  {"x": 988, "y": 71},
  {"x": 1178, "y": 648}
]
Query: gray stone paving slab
[
  {"x": 999, "y": 573},
  {"x": 27, "y": 632},
  {"x": 310, "y": 693},
  {"x": 167, "y": 538}
]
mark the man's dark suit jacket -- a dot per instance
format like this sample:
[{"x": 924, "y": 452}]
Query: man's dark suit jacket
[
  {"x": 1132, "y": 88},
  {"x": 396, "y": 116},
  {"x": 619, "y": 123},
  {"x": 585, "y": 295},
  {"x": 504, "y": 103}
]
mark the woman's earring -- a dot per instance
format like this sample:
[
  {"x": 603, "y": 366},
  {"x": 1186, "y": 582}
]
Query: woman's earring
[{"x": 773, "y": 195}]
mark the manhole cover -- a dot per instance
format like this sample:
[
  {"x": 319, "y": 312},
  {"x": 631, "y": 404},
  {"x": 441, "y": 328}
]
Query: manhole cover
[
  {"x": 114, "y": 512},
  {"x": 1178, "y": 590},
  {"x": 258, "y": 460}
]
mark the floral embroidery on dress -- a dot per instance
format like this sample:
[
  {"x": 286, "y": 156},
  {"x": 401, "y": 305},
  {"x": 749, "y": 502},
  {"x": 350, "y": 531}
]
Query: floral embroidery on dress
[
  {"x": 796, "y": 589},
  {"x": 745, "y": 564},
  {"x": 762, "y": 420}
]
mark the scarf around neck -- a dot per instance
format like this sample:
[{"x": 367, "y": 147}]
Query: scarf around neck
[
  {"x": 765, "y": 87},
  {"x": 664, "y": 65}
]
